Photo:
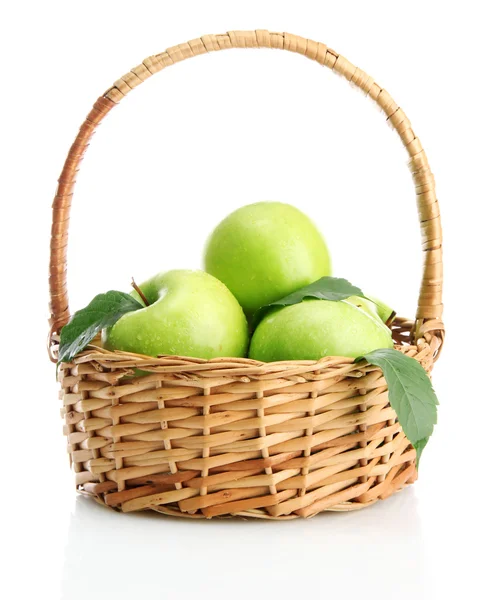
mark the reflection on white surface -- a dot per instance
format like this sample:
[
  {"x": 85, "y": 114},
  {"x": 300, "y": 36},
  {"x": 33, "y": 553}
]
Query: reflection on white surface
[{"x": 373, "y": 552}]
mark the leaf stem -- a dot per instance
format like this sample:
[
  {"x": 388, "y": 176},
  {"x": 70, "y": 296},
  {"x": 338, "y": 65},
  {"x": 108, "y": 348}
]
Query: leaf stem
[{"x": 140, "y": 293}]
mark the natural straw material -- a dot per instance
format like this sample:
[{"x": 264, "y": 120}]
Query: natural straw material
[{"x": 235, "y": 436}]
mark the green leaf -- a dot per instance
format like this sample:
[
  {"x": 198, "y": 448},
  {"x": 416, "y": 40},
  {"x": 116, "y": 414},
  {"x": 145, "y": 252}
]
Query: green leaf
[
  {"x": 410, "y": 394},
  {"x": 103, "y": 311},
  {"x": 326, "y": 288}
]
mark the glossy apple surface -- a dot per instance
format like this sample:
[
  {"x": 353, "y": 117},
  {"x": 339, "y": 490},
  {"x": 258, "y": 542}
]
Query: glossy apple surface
[
  {"x": 190, "y": 314},
  {"x": 314, "y": 329},
  {"x": 265, "y": 251}
]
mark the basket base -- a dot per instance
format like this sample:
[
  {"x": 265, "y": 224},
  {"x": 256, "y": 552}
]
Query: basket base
[{"x": 385, "y": 491}]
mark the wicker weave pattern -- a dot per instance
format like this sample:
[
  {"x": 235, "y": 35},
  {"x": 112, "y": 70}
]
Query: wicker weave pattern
[{"x": 234, "y": 436}]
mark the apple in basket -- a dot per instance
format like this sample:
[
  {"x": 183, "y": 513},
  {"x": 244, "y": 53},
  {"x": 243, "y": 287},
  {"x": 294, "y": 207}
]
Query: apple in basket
[
  {"x": 313, "y": 329},
  {"x": 264, "y": 251},
  {"x": 189, "y": 313}
]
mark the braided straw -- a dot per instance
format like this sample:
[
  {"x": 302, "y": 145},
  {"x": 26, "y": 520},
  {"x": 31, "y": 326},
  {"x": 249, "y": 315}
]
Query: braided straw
[
  {"x": 429, "y": 310},
  {"x": 234, "y": 436}
]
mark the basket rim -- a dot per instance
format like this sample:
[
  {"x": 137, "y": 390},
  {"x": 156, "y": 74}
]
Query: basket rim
[{"x": 242, "y": 367}]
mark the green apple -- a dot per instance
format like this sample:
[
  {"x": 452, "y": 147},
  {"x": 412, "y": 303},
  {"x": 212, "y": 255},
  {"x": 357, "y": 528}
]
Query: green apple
[
  {"x": 190, "y": 313},
  {"x": 313, "y": 329},
  {"x": 264, "y": 251},
  {"x": 374, "y": 307},
  {"x": 385, "y": 312}
]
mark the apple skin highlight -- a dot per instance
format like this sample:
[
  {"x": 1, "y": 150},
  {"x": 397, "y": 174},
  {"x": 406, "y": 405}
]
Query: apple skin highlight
[{"x": 190, "y": 314}]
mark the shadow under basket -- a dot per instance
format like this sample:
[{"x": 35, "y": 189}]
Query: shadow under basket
[{"x": 234, "y": 436}]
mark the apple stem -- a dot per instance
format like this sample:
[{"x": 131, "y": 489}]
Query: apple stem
[
  {"x": 140, "y": 293},
  {"x": 390, "y": 320}
]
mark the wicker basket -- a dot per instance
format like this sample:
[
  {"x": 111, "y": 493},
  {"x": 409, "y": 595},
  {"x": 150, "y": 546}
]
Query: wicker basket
[{"x": 233, "y": 436}]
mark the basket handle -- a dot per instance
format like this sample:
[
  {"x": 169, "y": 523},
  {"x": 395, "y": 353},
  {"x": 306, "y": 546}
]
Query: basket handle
[{"x": 429, "y": 310}]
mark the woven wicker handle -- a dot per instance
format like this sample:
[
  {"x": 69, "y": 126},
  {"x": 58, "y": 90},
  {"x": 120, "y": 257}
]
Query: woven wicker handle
[{"x": 429, "y": 311}]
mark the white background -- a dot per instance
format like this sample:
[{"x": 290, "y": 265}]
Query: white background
[{"x": 183, "y": 150}]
